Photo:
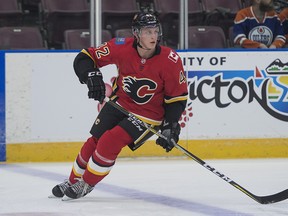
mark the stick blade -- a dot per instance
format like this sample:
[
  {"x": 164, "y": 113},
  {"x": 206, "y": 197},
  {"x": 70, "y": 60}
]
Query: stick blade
[{"x": 278, "y": 197}]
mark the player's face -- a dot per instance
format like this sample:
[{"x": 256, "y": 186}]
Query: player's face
[{"x": 148, "y": 37}]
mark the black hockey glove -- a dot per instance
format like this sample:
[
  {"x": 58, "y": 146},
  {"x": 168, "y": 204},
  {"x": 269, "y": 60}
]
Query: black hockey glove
[
  {"x": 96, "y": 86},
  {"x": 171, "y": 131}
]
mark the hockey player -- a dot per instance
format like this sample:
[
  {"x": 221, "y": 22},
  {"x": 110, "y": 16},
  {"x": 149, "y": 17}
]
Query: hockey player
[
  {"x": 151, "y": 84},
  {"x": 258, "y": 26}
]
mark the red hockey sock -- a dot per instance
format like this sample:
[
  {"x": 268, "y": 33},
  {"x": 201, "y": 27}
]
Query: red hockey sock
[
  {"x": 107, "y": 150},
  {"x": 81, "y": 161}
]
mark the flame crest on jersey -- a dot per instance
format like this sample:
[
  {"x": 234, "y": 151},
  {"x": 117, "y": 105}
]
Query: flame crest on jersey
[{"x": 141, "y": 90}]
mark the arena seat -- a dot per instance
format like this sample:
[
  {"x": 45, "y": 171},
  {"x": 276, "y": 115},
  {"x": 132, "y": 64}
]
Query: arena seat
[
  {"x": 221, "y": 13},
  {"x": 118, "y": 14},
  {"x": 21, "y": 38},
  {"x": 123, "y": 33},
  {"x": 10, "y": 13},
  {"x": 206, "y": 37},
  {"x": 169, "y": 10},
  {"x": 80, "y": 38},
  {"x": 60, "y": 15}
]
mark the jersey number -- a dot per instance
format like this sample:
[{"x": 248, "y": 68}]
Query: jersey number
[{"x": 104, "y": 51}]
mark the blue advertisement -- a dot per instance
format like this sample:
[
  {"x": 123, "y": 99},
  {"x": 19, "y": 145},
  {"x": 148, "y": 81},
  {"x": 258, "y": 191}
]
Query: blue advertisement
[{"x": 2, "y": 108}]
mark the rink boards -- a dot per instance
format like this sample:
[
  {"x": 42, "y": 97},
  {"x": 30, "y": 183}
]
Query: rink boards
[{"x": 237, "y": 106}]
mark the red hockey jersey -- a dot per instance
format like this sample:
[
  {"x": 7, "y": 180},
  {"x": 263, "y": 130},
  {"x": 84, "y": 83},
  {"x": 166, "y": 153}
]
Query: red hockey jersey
[{"x": 143, "y": 85}]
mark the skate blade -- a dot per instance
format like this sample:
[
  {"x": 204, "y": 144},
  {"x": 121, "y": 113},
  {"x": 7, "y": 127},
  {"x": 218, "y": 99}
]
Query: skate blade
[
  {"x": 53, "y": 197},
  {"x": 66, "y": 198}
]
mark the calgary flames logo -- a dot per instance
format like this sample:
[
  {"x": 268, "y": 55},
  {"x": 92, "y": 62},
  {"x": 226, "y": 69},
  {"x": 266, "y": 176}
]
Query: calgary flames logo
[{"x": 140, "y": 90}]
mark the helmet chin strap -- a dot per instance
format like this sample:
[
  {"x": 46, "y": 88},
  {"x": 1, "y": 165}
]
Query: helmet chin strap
[{"x": 139, "y": 45}]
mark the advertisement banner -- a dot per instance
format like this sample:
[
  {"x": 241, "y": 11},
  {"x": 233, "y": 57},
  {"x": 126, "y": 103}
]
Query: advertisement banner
[{"x": 237, "y": 94}]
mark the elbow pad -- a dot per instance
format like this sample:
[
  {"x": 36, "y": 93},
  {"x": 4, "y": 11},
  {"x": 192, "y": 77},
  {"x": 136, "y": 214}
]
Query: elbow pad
[{"x": 82, "y": 65}]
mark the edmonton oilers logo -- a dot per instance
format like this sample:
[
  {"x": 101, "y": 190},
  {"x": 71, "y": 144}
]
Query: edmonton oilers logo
[{"x": 261, "y": 34}]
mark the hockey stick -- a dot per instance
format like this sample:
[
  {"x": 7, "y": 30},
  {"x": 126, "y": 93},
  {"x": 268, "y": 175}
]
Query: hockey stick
[{"x": 260, "y": 199}]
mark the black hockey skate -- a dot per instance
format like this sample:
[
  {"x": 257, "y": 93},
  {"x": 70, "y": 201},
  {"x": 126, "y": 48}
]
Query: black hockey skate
[
  {"x": 77, "y": 190},
  {"x": 58, "y": 190}
]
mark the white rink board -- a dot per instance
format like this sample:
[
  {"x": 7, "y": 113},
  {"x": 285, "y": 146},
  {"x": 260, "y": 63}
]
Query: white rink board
[{"x": 46, "y": 103}]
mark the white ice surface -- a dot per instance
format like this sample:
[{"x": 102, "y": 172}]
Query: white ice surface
[{"x": 148, "y": 188}]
